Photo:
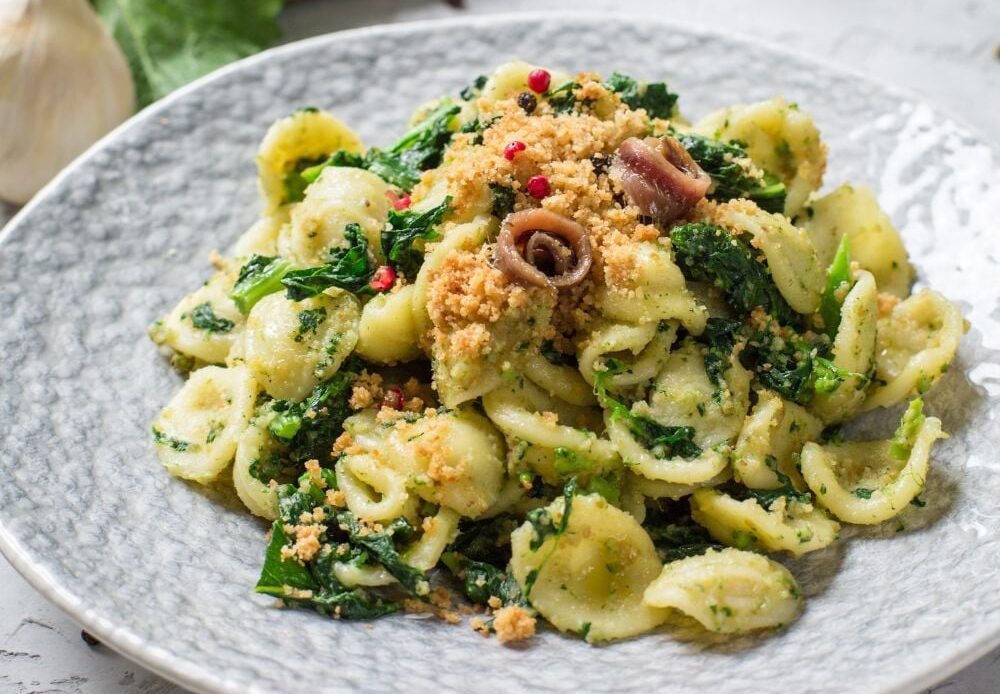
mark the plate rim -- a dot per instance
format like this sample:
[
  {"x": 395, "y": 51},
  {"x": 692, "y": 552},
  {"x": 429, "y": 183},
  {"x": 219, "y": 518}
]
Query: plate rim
[{"x": 189, "y": 674}]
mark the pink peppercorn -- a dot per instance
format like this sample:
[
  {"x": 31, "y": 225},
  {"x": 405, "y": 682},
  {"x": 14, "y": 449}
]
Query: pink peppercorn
[
  {"x": 538, "y": 80},
  {"x": 400, "y": 202},
  {"x": 512, "y": 148},
  {"x": 538, "y": 187},
  {"x": 383, "y": 278},
  {"x": 393, "y": 398}
]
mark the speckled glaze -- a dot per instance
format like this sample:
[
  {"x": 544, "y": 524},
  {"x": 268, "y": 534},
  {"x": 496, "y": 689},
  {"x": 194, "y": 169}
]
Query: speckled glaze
[{"x": 161, "y": 570}]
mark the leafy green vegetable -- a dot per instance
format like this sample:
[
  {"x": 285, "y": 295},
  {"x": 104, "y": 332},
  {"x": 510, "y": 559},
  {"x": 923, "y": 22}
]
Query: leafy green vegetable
[
  {"x": 569, "y": 462},
  {"x": 661, "y": 440},
  {"x": 544, "y": 527},
  {"x": 827, "y": 376},
  {"x": 406, "y": 226},
  {"x": 419, "y": 149},
  {"x": 259, "y": 276},
  {"x": 381, "y": 547},
  {"x": 472, "y": 91},
  {"x": 204, "y": 318},
  {"x": 721, "y": 161},
  {"x": 767, "y": 497},
  {"x": 783, "y": 360},
  {"x": 555, "y": 357},
  {"x": 310, "y": 427},
  {"x": 485, "y": 541},
  {"x": 295, "y": 182},
  {"x": 562, "y": 98},
  {"x": 838, "y": 280},
  {"x": 709, "y": 253},
  {"x": 654, "y": 97},
  {"x": 162, "y": 439},
  {"x": 502, "y": 200},
  {"x": 909, "y": 427},
  {"x": 674, "y": 532},
  {"x": 168, "y": 44},
  {"x": 481, "y": 580},
  {"x": 349, "y": 268},
  {"x": 721, "y": 334},
  {"x": 863, "y": 493}
]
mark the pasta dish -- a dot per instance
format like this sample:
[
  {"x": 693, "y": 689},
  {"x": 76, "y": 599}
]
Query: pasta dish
[{"x": 557, "y": 353}]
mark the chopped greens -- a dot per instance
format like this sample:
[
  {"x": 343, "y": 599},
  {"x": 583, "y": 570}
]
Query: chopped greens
[
  {"x": 481, "y": 580},
  {"x": 663, "y": 441},
  {"x": 709, "y": 253},
  {"x": 721, "y": 334},
  {"x": 162, "y": 439},
  {"x": 562, "y": 99},
  {"x": 654, "y": 97},
  {"x": 909, "y": 427},
  {"x": 502, "y": 198},
  {"x": 349, "y": 268},
  {"x": 309, "y": 321},
  {"x": 295, "y": 182},
  {"x": 473, "y": 90},
  {"x": 838, "y": 281},
  {"x": 310, "y": 427},
  {"x": 419, "y": 149},
  {"x": 675, "y": 535},
  {"x": 404, "y": 228},
  {"x": 259, "y": 276},
  {"x": 555, "y": 357},
  {"x": 204, "y": 318},
  {"x": 767, "y": 497},
  {"x": 545, "y": 526},
  {"x": 381, "y": 548},
  {"x": 725, "y": 163}
]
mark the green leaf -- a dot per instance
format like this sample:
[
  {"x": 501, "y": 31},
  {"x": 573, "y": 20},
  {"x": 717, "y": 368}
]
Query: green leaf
[
  {"x": 654, "y": 97},
  {"x": 168, "y": 44},
  {"x": 482, "y": 580},
  {"x": 502, "y": 198},
  {"x": 709, "y": 253},
  {"x": 725, "y": 163},
  {"x": 350, "y": 268},
  {"x": 383, "y": 550},
  {"x": 259, "y": 276},
  {"x": 403, "y": 229},
  {"x": 838, "y": 280},
  {"x": 721, "y": 335},
  {"x": 562, "y": 98},
  {"x": 204, "y": 318},
  {"x": 909, "y": 427},
  {"x": 544, "y": 527},
  {"x": 277, "y": 572}
]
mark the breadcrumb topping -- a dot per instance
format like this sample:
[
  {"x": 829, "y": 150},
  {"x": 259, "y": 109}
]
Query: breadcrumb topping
[{"x": 513, "y": 623}]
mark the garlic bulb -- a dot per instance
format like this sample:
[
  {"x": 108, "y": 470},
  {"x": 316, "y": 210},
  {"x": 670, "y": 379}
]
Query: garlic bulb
[{"x": 64, "y": 83}]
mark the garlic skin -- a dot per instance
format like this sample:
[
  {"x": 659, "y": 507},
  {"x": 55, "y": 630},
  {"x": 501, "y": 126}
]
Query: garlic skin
[{"x": 64, "y": 83}]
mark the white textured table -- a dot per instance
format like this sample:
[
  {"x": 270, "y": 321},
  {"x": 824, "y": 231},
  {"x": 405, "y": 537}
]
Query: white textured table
[{"x": 947, "y": 51}]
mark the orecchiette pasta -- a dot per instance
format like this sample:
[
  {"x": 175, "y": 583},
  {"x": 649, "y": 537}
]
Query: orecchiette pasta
[
  {"x": 288, "y": 353},
  {"x": 914, "y": 346},
  {"x": 786, "y": 525},
  {"x": 728, "y": 591},
  {"x": 302, "y": 139},
  {"x": 780, "y": 138},
  {"x": 560, "y": 343},
  {"x": 206, "y": 323},
  {"x": 875, "y": 243},
  {"x": 593, "y": 574},
  {"x": 197, "y": 432},
  {"x": 871, "y": 481}
]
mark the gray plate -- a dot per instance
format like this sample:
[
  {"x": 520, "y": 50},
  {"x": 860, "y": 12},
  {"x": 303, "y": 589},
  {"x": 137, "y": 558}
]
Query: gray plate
[{"x": 161, "y": 570}]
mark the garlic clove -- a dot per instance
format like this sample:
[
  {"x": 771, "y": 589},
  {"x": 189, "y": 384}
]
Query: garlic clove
[{"x": 64, "y": 83}]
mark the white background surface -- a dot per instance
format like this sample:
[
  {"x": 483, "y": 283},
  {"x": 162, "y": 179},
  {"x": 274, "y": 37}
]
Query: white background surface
[{"x": 946, "y": 50}]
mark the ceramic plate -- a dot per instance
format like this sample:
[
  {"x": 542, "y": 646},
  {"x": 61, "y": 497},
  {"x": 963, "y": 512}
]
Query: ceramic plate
[{"x": 162, "y": 570}]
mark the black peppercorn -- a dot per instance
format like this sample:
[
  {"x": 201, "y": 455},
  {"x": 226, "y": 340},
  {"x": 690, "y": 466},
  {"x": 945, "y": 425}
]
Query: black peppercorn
[{"x": 527, "y": 101}]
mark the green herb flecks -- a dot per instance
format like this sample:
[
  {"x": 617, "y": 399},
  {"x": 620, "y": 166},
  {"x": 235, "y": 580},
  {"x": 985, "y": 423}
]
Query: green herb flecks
[
  {"x": 259, "y": 276},
  {"x": 909, "y": 427},
  {"x": 203, "y": 318},
  {"x": 162, "y": 439}
]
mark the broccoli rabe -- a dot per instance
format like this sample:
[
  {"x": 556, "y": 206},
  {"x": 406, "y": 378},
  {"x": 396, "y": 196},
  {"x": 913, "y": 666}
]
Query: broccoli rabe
[
  {"x": 259, "y": 276},
  {"x": 838, "y": 281},
  {"x": 709, "y": 253},
  {"x": 349, "y": 268},
  {"x": 309, "y": 428},
  {"x": 663, "y": 441},
  {"x": 562, "y": 98},
  {"x": 544, "y": 526},
  {"x": 403, "y": 229},
  {"x": 909, "y": 427},
  {"x": 419, "y": 149},
  {"x": 721, "y": 335},
  {"x": 675, "y": 535},
  {"x": 767, "y": 497},
  {"x": 482, "y": 581},
  {"x": 654, "y": 97},
  {"x": 722, "y": 162},
  {"x": 502, "y": 199}
]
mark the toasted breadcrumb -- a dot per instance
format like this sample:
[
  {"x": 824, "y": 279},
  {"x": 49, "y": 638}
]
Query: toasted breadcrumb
[
  {"x": 366, "y": 391},
  {"x": 513, "y": 623}
]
